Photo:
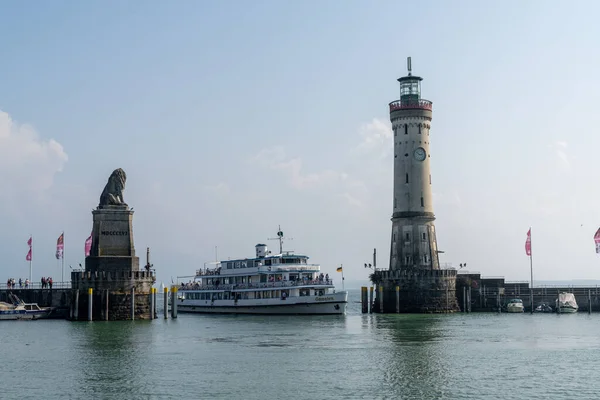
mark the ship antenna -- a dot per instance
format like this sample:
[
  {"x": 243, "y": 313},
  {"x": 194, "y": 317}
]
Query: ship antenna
[
  {"x": 409, "y": 65},
  {"x": 280, "y": 237}
]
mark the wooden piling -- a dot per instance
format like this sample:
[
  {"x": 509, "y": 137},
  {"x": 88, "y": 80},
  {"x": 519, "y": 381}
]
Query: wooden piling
[
  {"x": 106, "y": 306},
  {"x": 174, "y": 302},
  {"x": 364, "y": 300},
  {"x": 152, "y": 303},
  {"x": 76, "y": 311},
  {"x": 90, "y": 303},
  {"x": 381, "y": 299},
  {"x": 133, "y": 303},
  {"x": 589, "y": 301},
  {"x": 464, "y": 302},
  {"x": 397, "y": 299},
  {"x": 166, "y": 302},
  {"x": 154, "y": 313},
  {"x": 371, "y": 300}
]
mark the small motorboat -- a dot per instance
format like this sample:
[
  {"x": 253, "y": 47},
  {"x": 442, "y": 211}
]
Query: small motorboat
[
  {"x": 566, "y": 303},
  {"x": 515, "y": 306},
  {"x": 544, "y": 308},
  {"x": 21, "y": 310}
]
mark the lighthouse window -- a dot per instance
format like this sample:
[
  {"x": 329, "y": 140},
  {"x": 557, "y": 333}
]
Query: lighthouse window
[
  {"x": 395, "y": 202},
  {"x": 406, "y": 129},
  {"x": 408, "y": 237},
  {"x": 424, "y": 236},
  {"x": 430, "y": 179},
  {"x": 419, "y": 129},
  {"x": 422, "y": 204},
  {"x": 406, "y": 178}
]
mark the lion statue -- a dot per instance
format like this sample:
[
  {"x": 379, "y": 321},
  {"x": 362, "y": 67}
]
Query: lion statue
[{"x": 112, "y": 195}]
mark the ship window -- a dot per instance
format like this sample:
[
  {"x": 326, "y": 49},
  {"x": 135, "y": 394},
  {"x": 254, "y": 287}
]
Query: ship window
[
  {"x": 268, "y": 261},
  {"x": 229, "y": 265}
]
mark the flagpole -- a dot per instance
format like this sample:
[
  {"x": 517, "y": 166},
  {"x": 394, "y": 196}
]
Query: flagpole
[
  {"x": 342, "y": 265},
  {"x": 531, "y": 268},
  {"x": 63, "y": 258},
  {"x": 30, "y": 261}
]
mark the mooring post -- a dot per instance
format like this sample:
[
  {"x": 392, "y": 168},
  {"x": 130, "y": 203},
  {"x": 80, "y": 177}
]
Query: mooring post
[
  {"x": 469, "y": 300},
  {"x": 498, "y": 301},
  {"x": 174, "y": 302},
  {"x": 464, "y": 302},
  {"x": 381, "y": 299},
  {"x": 133, "y": 303},
  {"x": 589, "y": 301},
  {"x": 151, "y": 303},
  {"x": 558, "y": 301},
  {"x": 154, "y": 313},
  {"x": 397, "y": 299},
  {"x": 447, "y": 299},
  {"x": 76, "y": 312},
  {"x": 371, "y": 300},
  {"x": 90, "y": 303},
  {"x": 166, "y": 302},
  {"x": 364, "y": 299},
  {"x": 106, "y": 306}
]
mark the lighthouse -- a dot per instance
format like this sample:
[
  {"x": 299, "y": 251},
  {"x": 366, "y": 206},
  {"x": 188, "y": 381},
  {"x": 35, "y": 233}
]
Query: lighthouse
[
  {"x": 414, "y": 283},
  {"x": 413, "y": 242}
]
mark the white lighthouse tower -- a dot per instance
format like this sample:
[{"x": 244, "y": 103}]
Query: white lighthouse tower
[{"x": 413, "y": 244}]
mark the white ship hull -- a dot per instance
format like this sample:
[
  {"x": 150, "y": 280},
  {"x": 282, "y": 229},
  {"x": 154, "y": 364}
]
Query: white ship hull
[
  {"x": 568, "y": 310},
  {"x": 330, "y": 303},
  {"x": 515, "y": 308}
]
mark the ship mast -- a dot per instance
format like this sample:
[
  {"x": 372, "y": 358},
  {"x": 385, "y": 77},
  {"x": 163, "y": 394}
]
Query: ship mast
[{"x": 280, "y": 237}]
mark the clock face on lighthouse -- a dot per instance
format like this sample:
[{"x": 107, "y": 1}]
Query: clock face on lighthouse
[{"x": 419, "y": 154}]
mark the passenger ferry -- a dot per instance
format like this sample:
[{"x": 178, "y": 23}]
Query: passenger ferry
[{"x": 282, "y": 283}]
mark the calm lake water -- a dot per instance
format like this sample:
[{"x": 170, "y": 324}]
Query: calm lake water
[{"x": 475, "y": 356}]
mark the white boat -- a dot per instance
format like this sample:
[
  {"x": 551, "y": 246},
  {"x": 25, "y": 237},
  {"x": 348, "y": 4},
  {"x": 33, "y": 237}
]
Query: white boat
[
  {"x": 566, "y": 303},
  {"x": 281, "y": 283},
  {"x": 515, "y": 306},
  {"x": 22, "y": 310}
]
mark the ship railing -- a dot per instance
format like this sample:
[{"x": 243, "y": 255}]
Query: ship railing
[{"x": 257, "y": 285}]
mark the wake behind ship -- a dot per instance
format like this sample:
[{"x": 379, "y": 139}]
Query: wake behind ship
[{"x": 268, "y": 284}]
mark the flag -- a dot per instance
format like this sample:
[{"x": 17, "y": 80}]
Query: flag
[
  {"x": 60, "y": 246},
  {"x": 339, "y": 269},
  {"x": 597, "y": 240},
  {"x": 88, "y": 245},
  {"x": 28, "y": 257},
  {"x": 528, "y": 243},
  {"x": 29, "y": 241}
]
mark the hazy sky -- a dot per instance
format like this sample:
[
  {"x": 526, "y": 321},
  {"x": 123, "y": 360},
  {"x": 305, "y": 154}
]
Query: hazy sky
[{"x": 232, "y": 117}]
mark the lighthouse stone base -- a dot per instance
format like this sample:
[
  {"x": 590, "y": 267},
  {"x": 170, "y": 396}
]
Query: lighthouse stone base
[{"x": 420, "y": 291}]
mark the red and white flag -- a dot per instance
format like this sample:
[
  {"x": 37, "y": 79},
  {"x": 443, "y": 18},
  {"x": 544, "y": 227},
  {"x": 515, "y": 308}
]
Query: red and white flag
[
  {"x": 29, "y": 243},
  {"x": 88, "y": 245},
  {"x": 597, "y": 240},
  {"x": 60, "y": 246},
  {"x": 528, "y": 243}
]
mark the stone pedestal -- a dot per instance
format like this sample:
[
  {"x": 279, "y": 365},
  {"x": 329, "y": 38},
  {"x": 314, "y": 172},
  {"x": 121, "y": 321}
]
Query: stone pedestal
[
  {"x": 111, "y": 270},
  {"x": 421, "y": 291}
]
